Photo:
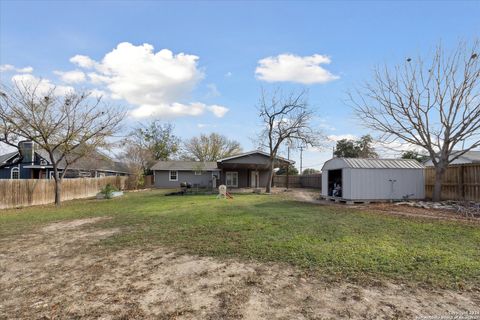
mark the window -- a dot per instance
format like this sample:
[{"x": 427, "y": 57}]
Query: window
[
  {"x": 173, "y": 176},
  {"x": 231, "y": 179},
  {"x": 198, "y": 173},
  {"x": 52, "y": 174},
  {"x": 43, "y": 162},
  {"x": 15, "y": 173}
]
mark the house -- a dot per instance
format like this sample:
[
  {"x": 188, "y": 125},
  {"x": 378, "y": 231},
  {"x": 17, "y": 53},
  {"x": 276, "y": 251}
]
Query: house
[
  {"x": 32, "y": 162},
  {"x": 468, "y": 157},
  {"x": 246, "y": 170},
  {"x": 355, "y": 179}
]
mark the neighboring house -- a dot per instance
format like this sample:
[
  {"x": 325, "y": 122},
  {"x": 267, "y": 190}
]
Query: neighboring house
[
  {"x": 246, "y": 170},
  {"x": 33, "y": 163},
  {"x": 356, "y": 179},
  {"x": 468, "y": 157}
]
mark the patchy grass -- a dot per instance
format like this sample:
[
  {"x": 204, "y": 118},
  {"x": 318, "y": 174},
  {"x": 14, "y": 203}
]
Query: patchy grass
[{"x": 334, "y": 241}]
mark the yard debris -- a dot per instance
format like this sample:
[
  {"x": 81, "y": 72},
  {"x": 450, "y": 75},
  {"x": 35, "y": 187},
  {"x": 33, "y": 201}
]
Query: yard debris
[{"x": 466, "y": 208}]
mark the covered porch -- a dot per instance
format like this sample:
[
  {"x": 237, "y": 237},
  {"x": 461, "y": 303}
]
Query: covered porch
[{"x": 244, "y": 175}]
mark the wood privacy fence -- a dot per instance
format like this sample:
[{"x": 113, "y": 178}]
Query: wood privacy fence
[
  {"x": 29, "y": 192},
  {"x": 460, "y": 182},
  {"x": 300, "y": 181}
]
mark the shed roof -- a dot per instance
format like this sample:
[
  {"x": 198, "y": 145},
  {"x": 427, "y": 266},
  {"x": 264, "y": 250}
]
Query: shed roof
[
  {"x": 185, "y": 166},
  {"x": 359, "y": 163}
]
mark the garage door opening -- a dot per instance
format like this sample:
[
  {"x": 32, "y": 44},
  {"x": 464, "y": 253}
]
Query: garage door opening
[{"x": 335, "y": 183}]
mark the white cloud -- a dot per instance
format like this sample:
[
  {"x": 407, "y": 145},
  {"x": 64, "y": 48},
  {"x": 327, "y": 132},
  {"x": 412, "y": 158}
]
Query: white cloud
[
  {"x": 155, "y": 82},
  {"x": 43, "y": 86},
  {"x": 74, "y": 76},
  {"x": 98, "y": 93},
  {"x": 169, "y": 110},
  {"x": 228, "y": 74},
  {"x": 9, "y": 67},
  {"x": 218, "y": 111},
  {"x": 293, "y": 68},
  {"x": 83, "y": 61},
  {"x": 336, "y": 138},
  {"x": 202, "y": 125}
]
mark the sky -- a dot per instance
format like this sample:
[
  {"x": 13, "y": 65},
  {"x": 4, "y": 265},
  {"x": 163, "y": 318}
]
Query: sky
[{"x": 202, "y": 65}]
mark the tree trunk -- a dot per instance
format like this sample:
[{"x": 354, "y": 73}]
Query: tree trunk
[
  {"x": 58, "y": 191},
  {"x": 437, "y": 188},
  {"x": 270, "y": 177}
]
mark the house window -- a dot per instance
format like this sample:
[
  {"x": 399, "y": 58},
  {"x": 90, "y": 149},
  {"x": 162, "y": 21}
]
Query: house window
[
  {"x": 101, "y": 174},
  {"x": 198, "y": 173},
  {"x": 173, "y": 176},
  {"x": 231, "y": 179},
  {"x": 43, "y": 162},
  {"x": 52, "y": 174},
  {"x": 15, "y": 173}
]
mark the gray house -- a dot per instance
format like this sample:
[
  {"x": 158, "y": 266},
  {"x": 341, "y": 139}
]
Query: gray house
[
  {"x": 472, "y": 156},
  {"x": 246, "y": 170}
]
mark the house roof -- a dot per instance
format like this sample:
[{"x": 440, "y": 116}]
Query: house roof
[
  {"x": 472, "y": 156},
  {"x": 94, "y": 161},
  {"x": 179, "y": 165},
  {"x": 253, "y": 152},
  {"x": 359, "y": 163},
  {"x": 5, "y": 157}
]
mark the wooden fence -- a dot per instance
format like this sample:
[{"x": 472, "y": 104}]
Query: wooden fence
[
  {"x": 300, "y": 181},
  {"x": 460, "y": 182},
  {"x": 29, "y": 192}
]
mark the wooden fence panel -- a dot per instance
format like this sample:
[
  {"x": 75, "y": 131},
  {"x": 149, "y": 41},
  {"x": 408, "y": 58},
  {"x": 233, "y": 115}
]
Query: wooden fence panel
[
  {"x": 460, "y": 182},
  {"x": 30, "y": 192},
  {"x": 300, "y": 181}
]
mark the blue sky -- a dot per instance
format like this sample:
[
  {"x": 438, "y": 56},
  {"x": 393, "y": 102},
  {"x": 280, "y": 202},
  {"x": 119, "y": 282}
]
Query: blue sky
[{"x": 218, "y": 91}]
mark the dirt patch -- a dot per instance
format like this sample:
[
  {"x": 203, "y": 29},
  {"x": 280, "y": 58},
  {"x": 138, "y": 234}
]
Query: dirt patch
[
  {"x": 72, "y": 224},
  {"x": 65, "y": 274}
]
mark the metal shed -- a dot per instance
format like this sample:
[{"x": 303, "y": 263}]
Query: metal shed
[{"x": 373, "y": 179}]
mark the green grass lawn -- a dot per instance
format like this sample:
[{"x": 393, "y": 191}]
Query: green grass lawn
[{"x": 333, "y": 241}]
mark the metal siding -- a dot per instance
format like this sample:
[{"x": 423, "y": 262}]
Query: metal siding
[
  {"x": 346, "y": 182},
  {"x": 368, "y": 184},
  {"x": 325, "y": 183}
]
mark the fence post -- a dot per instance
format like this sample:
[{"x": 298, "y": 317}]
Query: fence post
[{"x": 462, "y": 182}]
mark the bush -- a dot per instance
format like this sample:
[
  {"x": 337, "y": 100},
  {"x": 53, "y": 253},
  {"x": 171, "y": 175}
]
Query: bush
[{"x": 108, "y": 191}]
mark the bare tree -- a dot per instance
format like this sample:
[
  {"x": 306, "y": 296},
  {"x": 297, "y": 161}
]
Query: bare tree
[
  {"x": 210, "y": 147},
  {"x": 149, "y": 143},
  {"x": 67, "y": 127},
  {"x": 285, "y": 118},
  {"x": 434, "y": 105}
]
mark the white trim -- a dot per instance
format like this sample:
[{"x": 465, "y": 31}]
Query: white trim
[
  {"x": 51, "y": 174},
  {"x": 226, "y": 178},
  {"x": 170, "y": 175},
  {"x": 17, "y": 170}
]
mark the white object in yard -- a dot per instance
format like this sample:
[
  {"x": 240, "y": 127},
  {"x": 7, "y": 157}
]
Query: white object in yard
[
  {"x": 373, "y": 179},
  {"x": 114, "y": 194},
  {"x": 222, "y": 191}
]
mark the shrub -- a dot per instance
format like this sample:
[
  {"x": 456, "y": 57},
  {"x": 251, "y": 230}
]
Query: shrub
[{"x": 108, "y": 191}]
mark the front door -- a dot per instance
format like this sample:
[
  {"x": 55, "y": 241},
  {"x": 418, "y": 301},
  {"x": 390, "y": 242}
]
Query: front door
[{"x": 254, "y": 179}]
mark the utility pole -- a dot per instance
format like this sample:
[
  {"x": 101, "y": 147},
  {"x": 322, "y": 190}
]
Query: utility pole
[
  {"x": 288, "y": 164},
  {"x": 301, "y": 160}
]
